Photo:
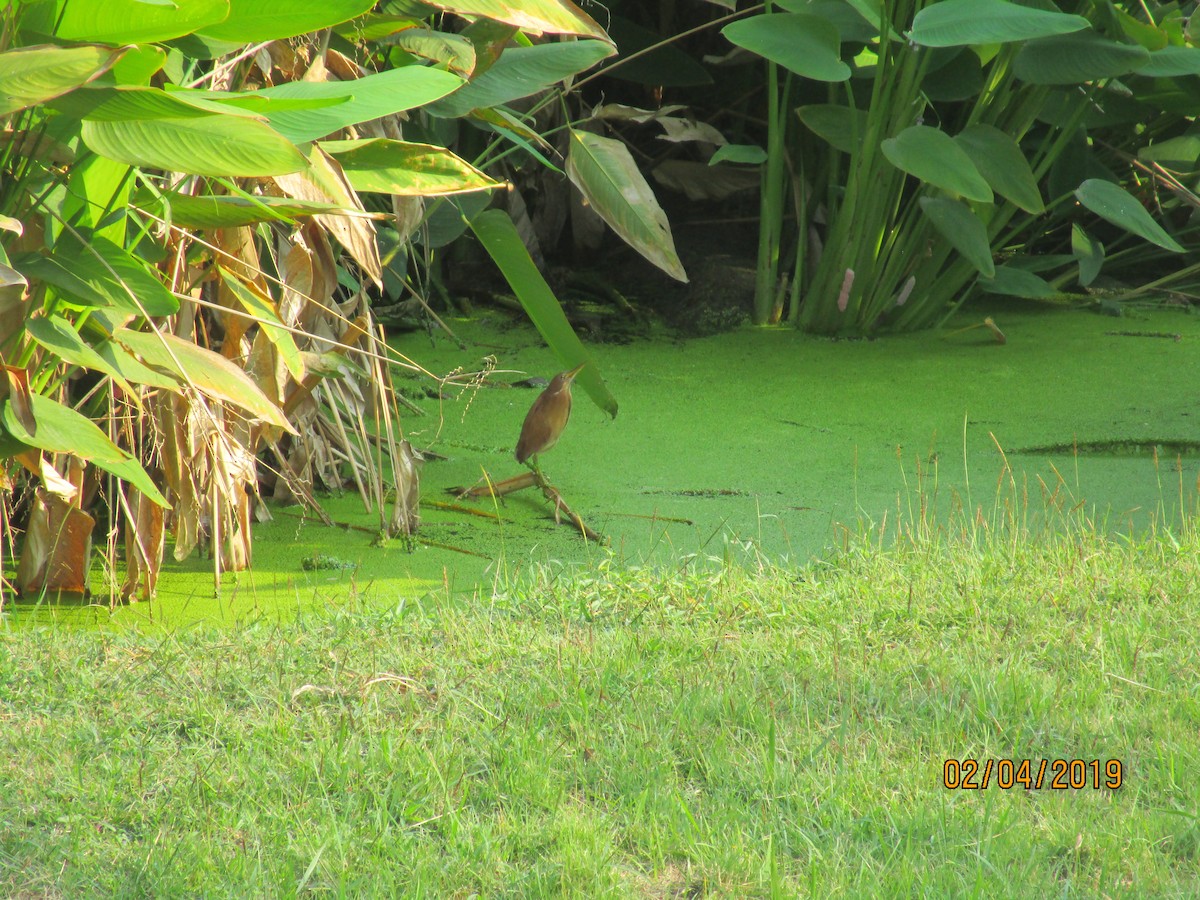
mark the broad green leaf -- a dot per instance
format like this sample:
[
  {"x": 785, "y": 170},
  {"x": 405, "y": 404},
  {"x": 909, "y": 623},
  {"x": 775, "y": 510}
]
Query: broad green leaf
[
  {"x": 132, "y": 369},
  {"x": 1180, "y": 153},
  {"x": 1000, "y": 161},
  {"x": 1171, "y": 62},
  {"x": 251, "y": 21},
  {"x": 962, "y": 229},
  {"x": 63, "y": 430},
  {"x": 405, "y": 169},
  {"x": 263, "y": 309},
  {"x": 605, "y": 173},
  {"x": 371, "y": 97},
  {"x": 56, "y": 335},
  {"x": 1076, "y": 58},
  {"x": 522, "y": 71},
  {"x": 932, "y": 156},
  {"x": 33, "y": 75},
  {"x": 961, "y": 23},
  {"x": 850, "y": 22},
  {"x": 148, "y": 127},
  {"x": 204, "y": 370},
  {"x": 1089, "y": 252},
  {"x": 747, "y": 154},
  {"x": 805, "y": 44},
  {"x": 137, "y": 66},
  {"x": 1115, "y": 205},
  {"x": 375, "y": 27},
  {"x": 136, "y": 22},
  {"x": 101, "y": 274},
  {"x": 534, "y": 16},
  {"x": 959, "y": 79},
  {"x": 211, "y": 211},
  {"x": 842, "y": 127},
  {"x": 1014, "y": 282},
  {"x": 500, "y": 239},
  {"x": 453, "y": 51}
]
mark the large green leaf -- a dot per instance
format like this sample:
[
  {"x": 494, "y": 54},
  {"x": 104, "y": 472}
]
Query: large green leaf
[
  {"x": 1171, "y": 62},
  {"x": 1180, "y": 153},
  {"x": 605, "y": 173},
  {"x": 371, "y": 97},
  {"x": 211, "y": 211},
  {"x": 522, "y": 71},
  {"x": 149, "y": 127},
  {"x": 806, "y": 44},
  {"x": 503, "y": 244},
  {"x": 101, "y": 274},
  {"x": 962, "y": 229},
  {"x": 251, "y": 21},
  {"x": 841, "y": 126},
  {"x": 63, "y": 430},
  {"x": 551, "y": 16},
  {"x": 34, "y": 75},
  {"x": 136, "y": 21},
  {"x": 204, "y": 370},
  {"x": 1014, "y": 282},
  {"x": 1076, "y": 58},
  {"x": 850, "y": 22},
  {"x": 405, "y": 169},
  {"x": 56, "y": 335},
  {"x": 1113, "y": 204},
  {"x": 264, "y": 310},
  {"x": 1002, "y": 164},
  {"x": 932, "y": 156},
  {"x": 958, "y": 23}
]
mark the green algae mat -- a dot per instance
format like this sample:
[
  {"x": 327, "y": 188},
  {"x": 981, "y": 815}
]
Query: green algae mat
[{"x": 758, "y": 441}]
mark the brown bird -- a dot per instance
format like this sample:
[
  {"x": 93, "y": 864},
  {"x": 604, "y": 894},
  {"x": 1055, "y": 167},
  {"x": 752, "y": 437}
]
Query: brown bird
[{"x": 547, "y": 417}]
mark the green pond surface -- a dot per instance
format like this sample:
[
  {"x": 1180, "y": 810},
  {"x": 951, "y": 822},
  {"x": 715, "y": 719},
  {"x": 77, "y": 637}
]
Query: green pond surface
[{"x": 755, "y": 441}]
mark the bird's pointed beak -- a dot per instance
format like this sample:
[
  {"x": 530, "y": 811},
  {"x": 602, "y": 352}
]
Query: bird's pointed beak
[{"x": 575, "y": 371}]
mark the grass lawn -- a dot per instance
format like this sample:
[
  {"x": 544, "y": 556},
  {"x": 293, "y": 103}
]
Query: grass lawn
[{"x": 752, "y": 730}]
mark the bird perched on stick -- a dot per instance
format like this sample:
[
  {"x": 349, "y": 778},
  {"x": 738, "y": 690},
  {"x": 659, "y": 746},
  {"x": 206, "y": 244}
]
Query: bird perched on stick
[{"x": 547, "y": 417}]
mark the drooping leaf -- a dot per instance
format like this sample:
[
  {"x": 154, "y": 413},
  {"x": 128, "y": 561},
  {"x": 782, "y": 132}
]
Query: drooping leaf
[
  {"x": 962, "y": 23},
  {"x": 747, "y": 154},
  {"x": 251, "y": 21},
  {"x": 453, "y": 51},
  {"x": 136, "y": 22},
  {"x": 849, "y": 21},
  {"x": 61, "y": 429},
  {"x": 32, "y": 75},
  {"x": 324, "y": 182},
  {"x": 56, "y": 335},
  {"x": 503, "y": 244},
  {"x": 370, "y": 97},
  {"x": 101, "y": 274},
  {"x": 1076, "y": 58},
  {"x": 149, "y": 127},
  {"x": 1014, "y": 282},
  {"x": 520, "y": 72},
  {"x": 534, "y": 16},
  {"x": 1171, "y": 62},
  {"x": 1089, "y": 252},
  {"x": 205, "y": 370},
  {"x": 1180, "y": 153},
  {"x": 806, "y": 44},
  {"x": 212, "y": 211},
  {"x": 605, "y": 173},
  {"x": 263, "y": 309},
  {"x": 932, "y": 156},
  {"x": 406, "y": 169},
  {"x": 962, "y": 229},
  {"x": 1000, "y": 161},
  {"x": 1113, "y": 204},
  {"x": 841, "y": 126}
]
